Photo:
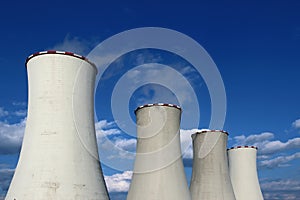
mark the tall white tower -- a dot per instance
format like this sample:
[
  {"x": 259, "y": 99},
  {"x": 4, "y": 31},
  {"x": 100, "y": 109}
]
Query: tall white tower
[
  {"x": 243, "y": 173},
  {"x": 158, "y": 168},
  {"x": 59, "y": 155},
  {"x": 210, "y": 176}
]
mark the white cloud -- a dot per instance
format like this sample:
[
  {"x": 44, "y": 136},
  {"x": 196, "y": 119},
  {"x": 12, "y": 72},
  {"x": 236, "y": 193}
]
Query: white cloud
[
  {"x": 103, "y": 124},
  {"x": 5, "y": 179},
  {"x": 74, "y": 44},
  {"x": 118, "y": 182},
  {"x": 281, "y": 189},
  {"x": 253, "y": 139},
  {"x": 18, "y": 103},
  {"x": 105, "y": 128},
  {"x": 280, "y": 196},
  {"x": 276, "y": 185},
  {"x": 271, "y": 147},
  {"x": 296, "y": 124},
  {"x": 265, "y": 144},
  {"x": 20, "y": 113},
  {"x": 280, "y": 161},
  {"x": 11, "y": 136},
  {"x": 186, "y": 142},
  {"x": 126, "y": 144},
  {"x": 120, "y": 150},
  {"x": 3, "y": 112},
  {"x": 112, "y": 145},
  {"x": 259, "y": 157}
]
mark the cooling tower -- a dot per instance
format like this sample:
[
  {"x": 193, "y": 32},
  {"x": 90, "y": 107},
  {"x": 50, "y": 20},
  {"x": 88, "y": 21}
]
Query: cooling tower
[
  {"x": 158, "y": 169},
  {"x": 210, "y": 176},
  {"x": 59, "y": 155},
  {"x": 243, "y": 173}
]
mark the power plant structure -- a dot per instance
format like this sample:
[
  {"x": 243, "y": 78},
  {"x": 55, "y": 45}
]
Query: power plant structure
[
  {"x": 59, "y": 155},
  {"x": 243, "y": 173},
  {"x": 158, "y": 169},
  {"x": 210, "y": 175}
]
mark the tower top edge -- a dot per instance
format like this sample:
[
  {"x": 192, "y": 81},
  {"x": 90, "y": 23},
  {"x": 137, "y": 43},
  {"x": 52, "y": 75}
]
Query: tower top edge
[
  {"x": 158, "y": 104},
  {"x": 243, "y": 147},
  {"x": 66, "y": 53},
  {"x": 212, "y": 131}
]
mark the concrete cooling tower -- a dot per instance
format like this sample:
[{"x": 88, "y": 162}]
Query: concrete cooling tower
[
  {"x": 59, "y": 155},
  {"x": 243, "y": 173},
  {"x": 210, "y": 176},
  {"x": 158, "y": 168}
]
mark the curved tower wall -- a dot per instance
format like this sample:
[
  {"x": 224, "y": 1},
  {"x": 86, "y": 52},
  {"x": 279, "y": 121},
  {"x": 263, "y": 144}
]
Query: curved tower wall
[
  {"x": 59, "y": 155},
  {"x": 243, "y": 173},
  {"x": 210, "y": 176},
  {"x": 158, "y": 169}
]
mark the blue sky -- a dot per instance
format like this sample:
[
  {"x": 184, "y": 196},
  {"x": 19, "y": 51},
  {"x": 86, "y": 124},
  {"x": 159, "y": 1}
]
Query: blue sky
[{"x": 254, "y": 44}]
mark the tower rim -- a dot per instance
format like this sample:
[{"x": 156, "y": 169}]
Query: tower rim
[
  {"x": 66, "y": 53},
  {"x": 158, "y": 104},
  {"x": 243, "y": 147}
]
